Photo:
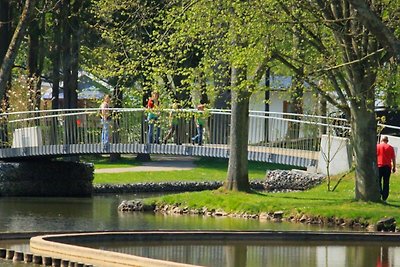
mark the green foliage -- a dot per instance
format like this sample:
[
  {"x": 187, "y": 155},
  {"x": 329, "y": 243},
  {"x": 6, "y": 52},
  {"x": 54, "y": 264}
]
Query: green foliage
[{"x": 176, "y": 46}]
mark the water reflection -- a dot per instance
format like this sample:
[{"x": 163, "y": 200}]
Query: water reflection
[
  {"x": 383, "y": 258},
  {"x": 274, "y": 256},
  {"x": 100, "y": 213},
  {"x": 267, "y": 254},
  {"x": 4, "y": 263}
]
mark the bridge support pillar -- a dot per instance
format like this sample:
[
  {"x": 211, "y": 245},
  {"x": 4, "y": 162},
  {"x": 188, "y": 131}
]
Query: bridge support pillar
[{"x": 46, "y": 178}]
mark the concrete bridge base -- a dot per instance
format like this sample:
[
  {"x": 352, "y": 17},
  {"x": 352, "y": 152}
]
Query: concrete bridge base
[{"x": 46, "y": 178}]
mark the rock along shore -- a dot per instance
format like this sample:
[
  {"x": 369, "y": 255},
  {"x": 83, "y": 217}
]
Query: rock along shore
[{"x": 275, "y": 181}]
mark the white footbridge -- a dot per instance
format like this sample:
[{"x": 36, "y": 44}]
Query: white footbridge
[{"x": 284, "y": 138}]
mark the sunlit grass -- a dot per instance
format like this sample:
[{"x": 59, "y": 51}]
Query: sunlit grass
[
  {"x": 205, "y": 170},
  {"x": 315, "y": 202},
  {"x": 103, "y": 162}
]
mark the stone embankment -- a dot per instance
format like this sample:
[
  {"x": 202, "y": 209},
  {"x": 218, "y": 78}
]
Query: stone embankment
[
  {"x": 165, "y": 187},
  {"x": 275, "y": 181},
  {"x": 275, "y": 216},
  {"x": 43, "y": 177},
  {"x": 294, "y": 180}
]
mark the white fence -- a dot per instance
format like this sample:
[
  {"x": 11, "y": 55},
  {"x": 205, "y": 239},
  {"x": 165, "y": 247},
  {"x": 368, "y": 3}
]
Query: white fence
[{"x": 272, "y": 136}]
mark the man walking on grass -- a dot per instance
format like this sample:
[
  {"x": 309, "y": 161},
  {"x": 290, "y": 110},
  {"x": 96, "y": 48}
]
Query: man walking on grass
[{"x": 386, "y": 160}]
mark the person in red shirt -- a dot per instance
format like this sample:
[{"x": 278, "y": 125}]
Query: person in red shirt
[
  {"x": 386, "y": 160},
  {"x": 152, "y": 118}
]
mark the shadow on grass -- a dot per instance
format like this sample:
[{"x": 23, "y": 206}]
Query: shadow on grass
[
  {"x": 270, "y": 195},
  {"x": 281, "y": 196},
  {"x": 391, "y": 205},
  {"x": 105, "y": 160},
  {"x": 222, "y": 164}
]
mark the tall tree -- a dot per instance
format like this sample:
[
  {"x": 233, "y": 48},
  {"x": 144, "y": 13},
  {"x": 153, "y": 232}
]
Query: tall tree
[
  {"x": 122, "y": 50},
  {"x": 56, "y": 55},
  {"x": 6, "y": 33},
  {"x": 5, "y": 27},
  {"x": 234, "y": 41},
  {"x": 344, "y": 53},
  {"x": 14, "y": 45},
  {"x": 35, "y": 55},
  {"x": 237, "y": 177},
  {"x": 76, "y": 32},
  {"x": 66, "y": 54}
]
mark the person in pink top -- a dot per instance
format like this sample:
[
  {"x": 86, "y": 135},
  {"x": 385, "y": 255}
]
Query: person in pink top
[{"x": 386, "y": 160}]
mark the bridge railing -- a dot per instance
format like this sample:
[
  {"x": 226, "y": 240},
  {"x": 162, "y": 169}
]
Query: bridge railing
[{"x": 267, "y": 130}]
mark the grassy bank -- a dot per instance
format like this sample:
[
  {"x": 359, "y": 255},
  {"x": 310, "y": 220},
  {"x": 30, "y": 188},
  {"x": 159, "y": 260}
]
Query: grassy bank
[{"x": 315, "y": 202}]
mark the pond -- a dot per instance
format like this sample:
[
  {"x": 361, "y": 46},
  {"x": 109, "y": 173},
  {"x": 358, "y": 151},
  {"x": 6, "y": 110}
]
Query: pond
[{"x": 26, "y": 214}]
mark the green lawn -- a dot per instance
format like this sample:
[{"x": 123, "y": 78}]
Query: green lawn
[
  {"x": 103, "y": 162},
  {"x": 206, "y": 170},
  {"x": 316, "y": 202}
]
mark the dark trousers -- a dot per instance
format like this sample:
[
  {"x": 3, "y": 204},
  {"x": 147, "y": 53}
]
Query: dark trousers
[{"x": 384, "y": 176}]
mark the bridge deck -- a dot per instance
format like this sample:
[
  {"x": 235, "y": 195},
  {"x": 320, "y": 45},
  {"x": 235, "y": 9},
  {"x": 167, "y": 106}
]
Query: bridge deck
[
  {"x": 301, "y": 158},
  {"x": 283, "y": 138}
]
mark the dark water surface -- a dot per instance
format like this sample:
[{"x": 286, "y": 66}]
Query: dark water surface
[
  {"x": 272, "y": 254},
  {"x": 100, "y": 213}
]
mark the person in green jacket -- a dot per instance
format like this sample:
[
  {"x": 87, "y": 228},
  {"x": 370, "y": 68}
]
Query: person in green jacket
[{"x": 200, "y": 123}]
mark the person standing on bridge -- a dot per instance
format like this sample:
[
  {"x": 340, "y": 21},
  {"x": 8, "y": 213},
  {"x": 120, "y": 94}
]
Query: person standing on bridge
[
  {"x": 105, "y": 120},
  {"x": 200, "y": 123},
  {"x": 386, "y": 160},
  {"x": 173, "y": 125},
  {"x": 152, "y": 118}
]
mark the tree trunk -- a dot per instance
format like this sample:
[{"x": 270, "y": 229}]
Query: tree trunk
[
  {"x": 6, "y": 33},
  {"x": 15, "y": 43},
  {"x": 75, "y": 48},
  {"x": 5, "y": 28},
  {"x": 222, "y": 81},
  {"x": 56, "y": 60},
  {"x": 118, "y": 100},
  {"x": 56, "y": 67},
  {"x": 238, "y": 177},
  {"x": 69, "y": 122},
  {"x": 321, "y": 111},
  {"x": 66, "y": 53},
  {"x": 41, "y": 57},
  {"x": 33, "y": 61},
  {"x": 296, "y": 94},
  {"x": 363, "y": 136}
]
